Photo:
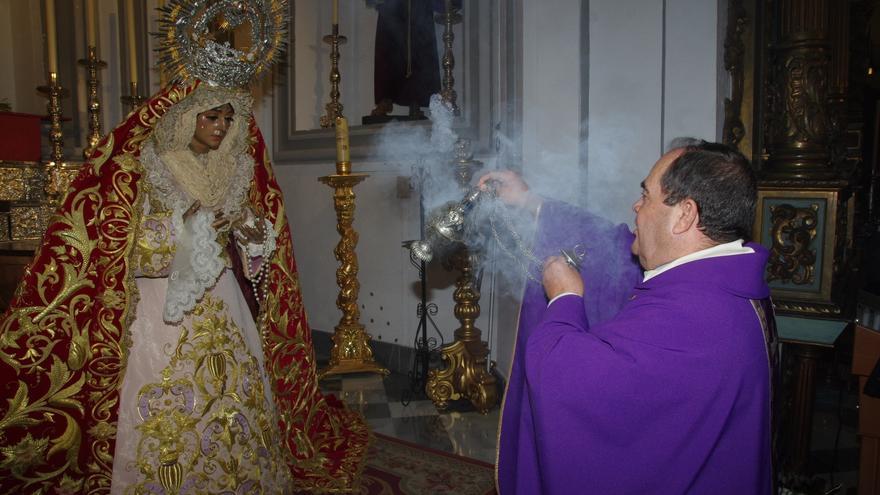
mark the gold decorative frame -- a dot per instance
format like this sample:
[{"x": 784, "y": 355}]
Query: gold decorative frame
[{"x": 816, "y": 230}]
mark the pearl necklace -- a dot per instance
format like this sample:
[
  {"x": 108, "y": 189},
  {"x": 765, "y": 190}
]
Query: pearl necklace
[{"x": 260, "y": 279}]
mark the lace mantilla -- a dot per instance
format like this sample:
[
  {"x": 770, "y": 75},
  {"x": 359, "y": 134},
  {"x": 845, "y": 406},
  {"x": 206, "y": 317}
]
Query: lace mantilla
[{"x": 196, "y": 267}]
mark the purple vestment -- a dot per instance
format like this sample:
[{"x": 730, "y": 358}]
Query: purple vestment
[
  {"x": 672, "y": 395},
  {"x": 609, "y": 272}
]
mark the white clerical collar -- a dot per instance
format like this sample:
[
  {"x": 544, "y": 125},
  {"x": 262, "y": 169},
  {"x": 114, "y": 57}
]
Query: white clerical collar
[{"x": 726, "y": 249}]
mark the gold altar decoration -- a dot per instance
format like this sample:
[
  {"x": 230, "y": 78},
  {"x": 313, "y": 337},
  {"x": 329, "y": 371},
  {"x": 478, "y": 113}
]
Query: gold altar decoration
[
  {"x": 22, "y": 187},
  {"x": 333, "y": 108},
  {"x": 92, "y": 65},
  {"x": 351, "y": 351},
  {"x": 447, "y": 92},
  {"x": 466, "y": 374},
  {"x": 33, "y": 189}
]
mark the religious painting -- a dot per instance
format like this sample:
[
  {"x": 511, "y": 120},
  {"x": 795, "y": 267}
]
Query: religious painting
[{"x": 800, "y": 231}]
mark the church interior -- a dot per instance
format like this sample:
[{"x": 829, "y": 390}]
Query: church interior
[{"x": 379, "y": 117}]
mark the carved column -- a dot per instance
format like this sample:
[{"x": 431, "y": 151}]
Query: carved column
[
  {"x": 804, "y": 200},
  {"x": 799, "y": 140}
]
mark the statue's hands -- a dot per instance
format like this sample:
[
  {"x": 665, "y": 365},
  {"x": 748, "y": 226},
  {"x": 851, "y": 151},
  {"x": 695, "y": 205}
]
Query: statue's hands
[
  {"x": 192, "y": 210},
  {"x": 220, "y": 220},
  {"x": 560, "y": 277},
  {"x": 510, "y": 188},
  {"x": 253, "y": 234}
]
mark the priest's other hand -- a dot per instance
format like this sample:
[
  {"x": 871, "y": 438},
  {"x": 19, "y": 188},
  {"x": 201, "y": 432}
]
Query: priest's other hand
[
  {"x": 510, "y": 188},
  {"x": 560, "y": 277}
]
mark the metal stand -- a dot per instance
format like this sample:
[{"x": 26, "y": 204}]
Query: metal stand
[{"x": 424, "y": 347}]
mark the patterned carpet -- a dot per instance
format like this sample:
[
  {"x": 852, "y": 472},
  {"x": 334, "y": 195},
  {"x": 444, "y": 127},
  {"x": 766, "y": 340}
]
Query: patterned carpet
[{"x": 395, "y": 467}]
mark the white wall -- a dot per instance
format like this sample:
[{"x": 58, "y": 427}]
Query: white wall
[
  {"x": 653, "y": 76},
  {"x": 22, "y": 55}
]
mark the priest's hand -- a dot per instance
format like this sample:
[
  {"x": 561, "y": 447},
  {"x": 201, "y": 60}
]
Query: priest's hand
[
  {"x": 510, "y": 188},
  {"x": 560, "y": 277}
]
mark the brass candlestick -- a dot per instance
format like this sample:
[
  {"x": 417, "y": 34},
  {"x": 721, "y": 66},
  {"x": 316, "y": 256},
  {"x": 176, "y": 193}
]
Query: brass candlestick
[
  {"x": 57, "y": 173},
  {"x": 92, "y": 64},
  {"x": 334, "y": 108},
  {"x": 54, "y": 92},
  {"x": 466, "y": 374},
  {"x": 351, "y": 351},
  {"x": 447, "y": 92},
  {"x": 134, "y": 99}
]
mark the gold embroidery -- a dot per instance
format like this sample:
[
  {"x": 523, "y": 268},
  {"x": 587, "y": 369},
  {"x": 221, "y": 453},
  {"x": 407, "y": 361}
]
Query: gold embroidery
[
  {"x": 154, "y": 250},
  {"x": 207, "y": 423}
]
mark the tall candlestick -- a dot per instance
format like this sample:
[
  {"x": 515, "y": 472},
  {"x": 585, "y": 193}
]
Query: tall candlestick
[
  {"x": 51, "y": 39},
  {"x": 343, "y": 160},
  {"x": 335, "y": 12},
  {"x": 132, "y": 41},
  {"x": 91, "y": 24}
]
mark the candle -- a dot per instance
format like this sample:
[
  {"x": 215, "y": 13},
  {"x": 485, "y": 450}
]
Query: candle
[
  {"x": 51, "y": 40},
  {"x": 335, "y": 12},
  {"x": 132, "y": 41},
  {"x": 91, "y": 24},
  {"x": 342, "y": 149}
]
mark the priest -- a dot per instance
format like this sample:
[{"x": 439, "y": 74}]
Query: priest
[{"x": 673, "y": 394}]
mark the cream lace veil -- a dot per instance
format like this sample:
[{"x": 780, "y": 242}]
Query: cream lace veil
[{"x": 219, "y": 178}]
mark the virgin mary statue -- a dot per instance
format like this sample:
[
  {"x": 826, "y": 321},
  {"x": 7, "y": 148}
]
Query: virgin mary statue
[{"x": 157, "y": 343}]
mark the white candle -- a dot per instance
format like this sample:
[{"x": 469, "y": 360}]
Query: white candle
[
  {"x": 132, "y": 41},
  {"x": 342, "y": 148},
  {"x": 91, "y": 24},
  {"x": 51, "y": 39},
  {"x": 335, "y": 12}
]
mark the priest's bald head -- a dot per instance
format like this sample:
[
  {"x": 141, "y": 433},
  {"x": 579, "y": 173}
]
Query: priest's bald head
[{"x": 697, "y": 195}]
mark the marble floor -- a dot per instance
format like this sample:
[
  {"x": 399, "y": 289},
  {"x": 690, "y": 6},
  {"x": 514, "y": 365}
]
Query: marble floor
[{"x": 392, "y": 408}]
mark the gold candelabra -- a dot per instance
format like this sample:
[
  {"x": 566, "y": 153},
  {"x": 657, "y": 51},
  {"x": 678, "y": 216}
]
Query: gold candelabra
[
  {"x": 92, "y": 65},
  {"x": 466, "y": 374},
  {"x": 351, "y": 351},
  {"x": 333, "y": 108},
  {"x": 57, "y": 174},
  {"x": 134, "y": 99},
  {"x": 54, "y": 92},
  {"x": 448, "y": 18}
]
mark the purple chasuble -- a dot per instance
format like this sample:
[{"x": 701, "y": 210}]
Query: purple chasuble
[
  {"x": 671, "y": 395},
  {"x": 609, "y": 272}
]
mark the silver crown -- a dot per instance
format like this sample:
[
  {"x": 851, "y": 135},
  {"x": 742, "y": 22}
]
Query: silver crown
[{"x": 189, "y": 48}]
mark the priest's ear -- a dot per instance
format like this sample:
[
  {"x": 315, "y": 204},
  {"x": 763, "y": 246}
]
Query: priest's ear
[{"x": 688, "y": 216}]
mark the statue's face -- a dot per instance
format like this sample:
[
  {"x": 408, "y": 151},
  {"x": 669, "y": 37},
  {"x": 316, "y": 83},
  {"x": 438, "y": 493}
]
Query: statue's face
[{"x": 211, "y": 128}]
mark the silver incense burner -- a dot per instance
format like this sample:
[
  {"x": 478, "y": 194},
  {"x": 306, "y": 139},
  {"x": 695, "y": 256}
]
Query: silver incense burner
[{"x": 447, "y": 225}]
